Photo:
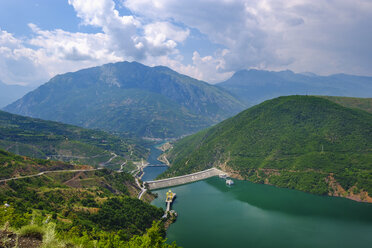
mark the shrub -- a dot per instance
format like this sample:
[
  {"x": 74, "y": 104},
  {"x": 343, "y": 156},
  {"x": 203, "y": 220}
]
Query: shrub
[{"x": 32, "y": 231}]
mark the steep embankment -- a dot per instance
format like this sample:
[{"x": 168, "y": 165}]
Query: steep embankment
[
  {"x": 130, "y": 98},
  {"x": 302, "y": 142},
  {"x": 46, "y": 139}
]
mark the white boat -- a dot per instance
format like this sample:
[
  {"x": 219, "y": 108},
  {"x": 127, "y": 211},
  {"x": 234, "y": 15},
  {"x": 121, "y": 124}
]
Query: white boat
[
  {"x": 229, "y": 182},
  {"x": 222, "y": 175}
]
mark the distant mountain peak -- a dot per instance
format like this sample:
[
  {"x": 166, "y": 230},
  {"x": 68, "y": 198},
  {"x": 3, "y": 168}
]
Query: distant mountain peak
[
  {"x": 9, "y": 93},
  {"x": 163, "y": 103},
  {"x": 254, "y": 86}
]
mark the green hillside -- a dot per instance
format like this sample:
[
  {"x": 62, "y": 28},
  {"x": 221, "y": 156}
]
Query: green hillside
[
  {"x": 352, "y": 102},
  {"x": 13, "y": 165},
  {"x": 46, "y": 139},
  {"x": 130, "y": 98},
  {"x": 302, "y": 142},
  {"x": 76, "y": 209}
]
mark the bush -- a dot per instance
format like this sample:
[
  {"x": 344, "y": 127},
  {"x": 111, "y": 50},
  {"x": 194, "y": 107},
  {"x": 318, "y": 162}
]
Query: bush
[{"x": 32, "y": 231}]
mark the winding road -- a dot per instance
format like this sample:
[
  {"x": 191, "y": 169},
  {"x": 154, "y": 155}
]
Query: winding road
[
  {"x": 46, "y": 172},
  {"x": 143, "y": 189}
]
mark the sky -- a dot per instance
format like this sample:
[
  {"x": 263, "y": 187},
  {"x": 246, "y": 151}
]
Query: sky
[{"x": 205, "y": 39}]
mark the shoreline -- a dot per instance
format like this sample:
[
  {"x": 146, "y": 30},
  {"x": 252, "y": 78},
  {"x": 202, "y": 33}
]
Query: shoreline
[{"x": 338, "y": 192}]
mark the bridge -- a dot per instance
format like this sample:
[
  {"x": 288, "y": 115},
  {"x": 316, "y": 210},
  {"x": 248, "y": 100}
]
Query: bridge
[{"x": 174, "y": 181}]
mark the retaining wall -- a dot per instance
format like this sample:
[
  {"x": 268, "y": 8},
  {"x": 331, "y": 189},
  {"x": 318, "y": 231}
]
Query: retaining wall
[{"x": 174, "y": 181}]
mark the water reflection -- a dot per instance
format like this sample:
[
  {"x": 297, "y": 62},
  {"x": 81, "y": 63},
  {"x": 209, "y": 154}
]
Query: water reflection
[{"x": 294, "y": 202}]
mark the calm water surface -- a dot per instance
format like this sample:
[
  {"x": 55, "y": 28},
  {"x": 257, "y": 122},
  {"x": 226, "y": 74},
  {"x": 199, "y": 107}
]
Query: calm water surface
[
  {"x": 212, "y": 214},
  {"x": 151, "y": 172}
]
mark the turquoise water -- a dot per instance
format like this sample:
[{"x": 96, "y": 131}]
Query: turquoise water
[
  {"x": 212, "y": 214},
  {"x": 151, "y": 172},
  {"x": 154, "y": 154}
]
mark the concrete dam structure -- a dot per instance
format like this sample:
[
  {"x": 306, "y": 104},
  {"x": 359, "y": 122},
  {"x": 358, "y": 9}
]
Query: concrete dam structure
[{"x": 174, "y": 181}]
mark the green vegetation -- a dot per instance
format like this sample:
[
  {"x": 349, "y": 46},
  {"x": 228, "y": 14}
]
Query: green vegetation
[
  {"x": 33, "y": 231},
  {"x": 130, "y": 98},
  {"x": 300, "y": 142},
  {"x": 13, "y": 165},
  {"x": 46, "y": 139},
  {"x": 79, "y": 209},
  {"x": 352, "y": 102}
]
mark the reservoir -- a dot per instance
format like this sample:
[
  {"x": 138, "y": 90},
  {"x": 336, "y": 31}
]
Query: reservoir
[
  {"x": 211, "y": 214},
  {"x": 155, "y": 166}
]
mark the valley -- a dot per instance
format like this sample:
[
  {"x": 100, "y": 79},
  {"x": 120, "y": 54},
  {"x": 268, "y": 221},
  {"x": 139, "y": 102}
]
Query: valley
[
  {"x": 108, "y": 184},
  {"x": 194, "y": 124}
]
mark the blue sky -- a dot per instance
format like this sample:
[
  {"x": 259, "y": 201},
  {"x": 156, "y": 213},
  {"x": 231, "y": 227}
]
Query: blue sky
[{"x": 206, "y": 39}]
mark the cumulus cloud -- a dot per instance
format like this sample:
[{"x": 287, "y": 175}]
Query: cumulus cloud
[
  {"x": 50, "y": 52},
  {"x": 18, "y": 64},
  {"x": 130, "y": 37},
  {"x": 304, "y": 35}
]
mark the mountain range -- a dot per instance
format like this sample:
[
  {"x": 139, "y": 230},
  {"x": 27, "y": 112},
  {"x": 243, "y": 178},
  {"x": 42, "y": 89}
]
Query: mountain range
[
  {"x": 301, "y": 142},
  {"x": 255, "y": 86},
  {"x": 130, "y": 97}
]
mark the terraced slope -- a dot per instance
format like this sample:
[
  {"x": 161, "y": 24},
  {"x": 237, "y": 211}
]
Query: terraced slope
[
  {"x": 56, "y": 141},
  {"x": 75, "y": 209}
]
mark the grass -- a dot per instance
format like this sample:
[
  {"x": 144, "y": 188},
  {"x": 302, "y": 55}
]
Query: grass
[{"x": 32, "y": 231}]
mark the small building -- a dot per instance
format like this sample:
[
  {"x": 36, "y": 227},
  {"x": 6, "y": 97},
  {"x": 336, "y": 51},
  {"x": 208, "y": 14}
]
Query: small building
[{"x": 229, "y": 182}]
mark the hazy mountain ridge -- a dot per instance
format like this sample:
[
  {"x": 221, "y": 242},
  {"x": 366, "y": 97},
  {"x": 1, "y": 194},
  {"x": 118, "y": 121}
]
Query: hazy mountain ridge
[
  {"x": 130, "y": 97},
  {"x": 10, "y": 93},
  {"x": 255, "y": 86}
]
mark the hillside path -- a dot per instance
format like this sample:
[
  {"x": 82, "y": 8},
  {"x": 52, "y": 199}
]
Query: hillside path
[{"x": 46, "y": 172}]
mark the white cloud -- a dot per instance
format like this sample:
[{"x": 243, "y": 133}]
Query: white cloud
[
  {"x": 18, "y": 64},
  {"x": 125, "y": 32},
  {"x": 303, "y": 35},
  {"x": 162, "y": 37},
  {"x": 121, "y": 30},
  {"x": 50, "y": 52}
]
